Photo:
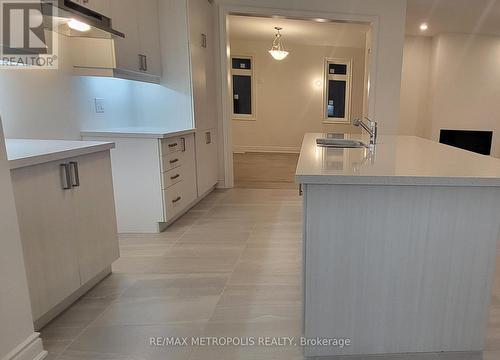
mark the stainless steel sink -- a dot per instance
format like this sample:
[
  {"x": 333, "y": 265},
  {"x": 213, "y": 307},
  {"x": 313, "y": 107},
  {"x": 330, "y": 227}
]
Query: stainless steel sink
[{"x": 340, "y": 143}]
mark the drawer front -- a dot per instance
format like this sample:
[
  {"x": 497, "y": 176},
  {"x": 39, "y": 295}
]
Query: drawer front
[
  {"x": 172, "y": 161},
  {"x": 175, "y": 200},
  {"x": 172, "y": 177},
  {"x": 171, "y": 145}
]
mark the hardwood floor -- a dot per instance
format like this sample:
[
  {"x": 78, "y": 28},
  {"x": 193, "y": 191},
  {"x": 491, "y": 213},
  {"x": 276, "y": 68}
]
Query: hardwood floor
[
  {"x": 265, "y": 170},
  {"x": 231, "y": 267}
]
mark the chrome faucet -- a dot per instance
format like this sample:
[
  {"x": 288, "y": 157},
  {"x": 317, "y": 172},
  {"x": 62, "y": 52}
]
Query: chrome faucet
[{"x": 370, "y": 128}]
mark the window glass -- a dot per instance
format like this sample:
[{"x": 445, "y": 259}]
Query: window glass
[
  {"x": 336, "y": 98},
  {"x": 337, "y": 69},
  {"x": 243, "y": 64},
  {"x": 242, "y": 94}
]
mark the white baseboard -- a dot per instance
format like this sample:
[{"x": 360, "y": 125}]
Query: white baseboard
[
  {"x": 29, "y": 349},
  {"x": 266, "y": 149}
]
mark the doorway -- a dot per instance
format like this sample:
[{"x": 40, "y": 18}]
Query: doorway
[{"x": 320, "y": 85}]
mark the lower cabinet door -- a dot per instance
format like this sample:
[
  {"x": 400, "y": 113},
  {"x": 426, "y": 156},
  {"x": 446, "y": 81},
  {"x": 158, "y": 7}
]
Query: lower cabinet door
[
  {"x": 95, "y": 224},
  {"x": 206, "y": 160},
  {"x": 49, "y": 234}
]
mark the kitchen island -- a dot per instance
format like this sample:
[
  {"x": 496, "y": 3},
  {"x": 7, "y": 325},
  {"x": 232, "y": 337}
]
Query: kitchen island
[{"x": 399, "y": 247}]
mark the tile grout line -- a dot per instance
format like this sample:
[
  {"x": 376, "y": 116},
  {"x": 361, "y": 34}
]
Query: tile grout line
[{"x": 119, "y": 296}]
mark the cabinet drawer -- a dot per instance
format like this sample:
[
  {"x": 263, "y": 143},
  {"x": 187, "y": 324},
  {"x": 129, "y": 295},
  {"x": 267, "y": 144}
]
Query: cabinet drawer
[
  {"x": 172, "y": 161},
  {"x": 172, "y": 177},
  {"x": 175, "y": 200},
  {"x": 171, "y": 145}
]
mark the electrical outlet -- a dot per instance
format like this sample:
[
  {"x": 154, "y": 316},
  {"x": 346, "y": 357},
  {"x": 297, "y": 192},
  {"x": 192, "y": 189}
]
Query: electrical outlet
[{"x": 99, "y": 106}]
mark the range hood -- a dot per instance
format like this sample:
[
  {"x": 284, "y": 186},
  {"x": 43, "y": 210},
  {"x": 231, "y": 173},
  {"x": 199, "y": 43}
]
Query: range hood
[{"x": 58, "y": 14}]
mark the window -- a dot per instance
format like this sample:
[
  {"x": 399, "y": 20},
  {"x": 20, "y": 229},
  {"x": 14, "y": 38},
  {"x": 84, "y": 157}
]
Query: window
[
  {"x": 243, "y": 88},
  {"x": 337, "y": 106}
]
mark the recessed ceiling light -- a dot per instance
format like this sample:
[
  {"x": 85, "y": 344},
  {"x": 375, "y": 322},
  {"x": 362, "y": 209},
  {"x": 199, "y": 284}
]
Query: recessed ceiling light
[{"x": 424, "y": 27}]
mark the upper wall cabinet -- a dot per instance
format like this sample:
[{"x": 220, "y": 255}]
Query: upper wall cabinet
[
  {"x": 201, "y": 46},
  {"x": 100, "y": 6},
  {"x": 135, "y": 57}
]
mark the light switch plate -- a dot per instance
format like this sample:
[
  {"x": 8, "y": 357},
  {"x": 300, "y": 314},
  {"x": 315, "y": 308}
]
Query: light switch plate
[{"x": 99, "y": 105}]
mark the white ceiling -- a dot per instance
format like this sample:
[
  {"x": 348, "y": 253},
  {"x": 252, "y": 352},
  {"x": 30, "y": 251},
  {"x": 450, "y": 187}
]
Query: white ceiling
[
  {"x": 298, "y": 31},
  {"x": 461, "y": 16}
]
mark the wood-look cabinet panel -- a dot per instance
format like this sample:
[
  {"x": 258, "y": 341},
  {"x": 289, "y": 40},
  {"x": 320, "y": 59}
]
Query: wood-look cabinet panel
[
  {"x": 95, "y": 222},
  {"x": 68, "y": 233},
  {"x": 47, "y": 225},
  {"x": 206, "y": 160}
]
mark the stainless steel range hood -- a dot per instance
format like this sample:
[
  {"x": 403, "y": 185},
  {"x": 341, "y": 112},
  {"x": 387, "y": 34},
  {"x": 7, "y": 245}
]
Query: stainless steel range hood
[{"x": 58, "y": 13}]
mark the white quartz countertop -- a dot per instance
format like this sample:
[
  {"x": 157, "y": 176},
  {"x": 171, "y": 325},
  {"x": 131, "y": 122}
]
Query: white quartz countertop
[
  {"x": 24, "y": 152},
  {"x": 136, "y": 132},
  {"x": 397, "y": 160}
]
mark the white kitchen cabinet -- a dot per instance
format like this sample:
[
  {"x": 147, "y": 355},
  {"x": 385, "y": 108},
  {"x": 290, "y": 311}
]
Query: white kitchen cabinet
[
  {"x": 69, "y": 235},
  {"x": 202, "y": 47},
  {"x": 95, "y": 216},
  {"x": 137, "y": 56},
  {"x": 100, "y": 6},
  {"x": 46, "y": 222},
  {"x": 154, "y": 177},
  {"x": 124, "y": 19},
  {"x": 149, "y": 35},
  {"x": 139, "y": 51},
  {"x": 206, "y": 160}
]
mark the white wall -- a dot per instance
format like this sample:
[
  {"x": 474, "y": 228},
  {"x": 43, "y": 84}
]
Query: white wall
[
  {"x": 15, "y": 308},
  {"x": 415, "y": 86},
  {"x": 171, "y": 103},
  {"x": 54, "y": 104},
  {"x": 386, "y": 83},
  {"x": 465, "y": 89},
  {"x": 451, "y": 82},
  {"x": 289, "y": 101}
]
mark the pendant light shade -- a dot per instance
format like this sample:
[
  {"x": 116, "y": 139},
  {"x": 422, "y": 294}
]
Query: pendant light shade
[{"x": 278, "y": 51}]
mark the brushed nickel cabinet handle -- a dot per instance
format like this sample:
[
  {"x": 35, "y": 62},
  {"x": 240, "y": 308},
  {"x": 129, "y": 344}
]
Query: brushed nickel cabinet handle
[
  {"x": 141, "y": 66},
  {"x": 176, "y": 199},
  {"x": 174, "y": 177},
  {"x": 66, "y": 178},
  {"x": 76, "y": 175},
  {"x": 174, "y": 161},
  {"x": 183, "y": 144}
]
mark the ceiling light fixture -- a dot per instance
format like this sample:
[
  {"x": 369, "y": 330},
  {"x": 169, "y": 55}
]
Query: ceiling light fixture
[
  {"x": 78, "y": 25},
  {"x": 278, "y": 51},
  {"x": 424, "y": 27}
]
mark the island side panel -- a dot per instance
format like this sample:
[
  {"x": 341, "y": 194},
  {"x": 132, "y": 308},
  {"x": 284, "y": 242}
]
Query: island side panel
[{"x": 399, "y": 269}]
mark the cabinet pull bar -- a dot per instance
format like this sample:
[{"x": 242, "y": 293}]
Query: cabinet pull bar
[
  {"x": 174, "y": 161},
  {"x": 66, "y": 178},
  {"x": 174, "y": 177},
  {"x": 172, "y": 145},
  {"x": 76, "y": 175},
  {"x": 177, "y": 199},
  {"x": 141, "y": 66},
  {"x": 183, "y": 144}
]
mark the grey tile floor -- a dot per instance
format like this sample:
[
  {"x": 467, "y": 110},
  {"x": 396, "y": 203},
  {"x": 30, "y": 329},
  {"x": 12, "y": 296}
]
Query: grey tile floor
[{"x": 231, "y": 267}]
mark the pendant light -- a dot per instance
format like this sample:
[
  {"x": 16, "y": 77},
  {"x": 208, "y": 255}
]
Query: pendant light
[{"x": 278, "y": 51}]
